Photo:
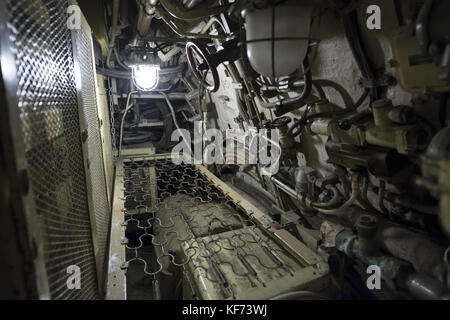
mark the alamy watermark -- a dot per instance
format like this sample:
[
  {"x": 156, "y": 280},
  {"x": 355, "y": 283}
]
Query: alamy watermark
[
  {"x": 374, "y": 279},
  {"x": 374, "y": 19},
  {"x": 232, "y": 146},
  {"x": 74, "y": 19},
  {"x": 73, "y": 281}
]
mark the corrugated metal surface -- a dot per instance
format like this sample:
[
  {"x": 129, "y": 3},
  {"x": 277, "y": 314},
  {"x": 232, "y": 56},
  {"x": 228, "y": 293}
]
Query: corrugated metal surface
[{"x": 50, "y": 125}]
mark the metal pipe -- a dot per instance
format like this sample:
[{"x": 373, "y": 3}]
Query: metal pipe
[
  {"x": 235, "y": 76},
  {"x": 297, "y": 84},
  {"x": 287, "y": 189},
  {"x": 412, "y": 247},
  {"x": 422, "y": 26},
  {"x": 424, "y": 287},
  {"x": 174, "y": 25},
  {"x": 119, "y": 61},
  {"x": 144, "y": 19},
  {"x": 115, "y": 19},
  {"x": 393, "y": 270},
  {"x": 193, "y": 14},
  {"x": 210, "y": 23},
  {"x": 353, "y": 35},
  {"x": 407, "y": 245},
  {"x": 174, "y": 118}
]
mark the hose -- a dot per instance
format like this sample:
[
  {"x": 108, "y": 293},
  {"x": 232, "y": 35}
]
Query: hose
[
  {"x": 332, "y": 202},
  {"x": 359, "y": 53},
  {"x": 113, "y": 73},
  {"x": 349, "y": 202},
  {"x": 346, "y": 97},
  {"x": 297, "y": 84},
  {"x": 363, "y": 196},
  {"x": 318, "y": 85},
  {"x": 298, "y": 100},
  {"x": 343, "y": 111},
  {"x": 319, "y": 90}
]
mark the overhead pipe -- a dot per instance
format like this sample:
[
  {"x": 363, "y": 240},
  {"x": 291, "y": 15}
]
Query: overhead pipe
[
  {"x": 115, "y": 19},
  {"x": 193, "y": 14},
  {"x": 175, "y": 26}
]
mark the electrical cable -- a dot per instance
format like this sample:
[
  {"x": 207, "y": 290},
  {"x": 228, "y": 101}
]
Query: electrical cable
[
  {"x": 127, "y": 108},
  {"x": 174, "y": 118}
]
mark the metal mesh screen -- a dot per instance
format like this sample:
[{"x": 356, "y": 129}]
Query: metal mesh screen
[
  {"x": 96, "y": 173},
  {"x": 48, "y": 106}
]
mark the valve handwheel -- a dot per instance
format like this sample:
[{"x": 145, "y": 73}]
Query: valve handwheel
[{"x": 201, "y": 63}]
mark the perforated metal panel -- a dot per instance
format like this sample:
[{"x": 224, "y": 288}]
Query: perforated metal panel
[
  {"x": 49, "y": 118},
  {"x": 92, "y": 141}
]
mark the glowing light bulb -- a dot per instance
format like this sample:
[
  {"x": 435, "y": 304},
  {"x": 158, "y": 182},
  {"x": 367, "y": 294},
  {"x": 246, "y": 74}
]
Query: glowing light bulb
[{"x": 146, "y": 76}]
